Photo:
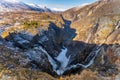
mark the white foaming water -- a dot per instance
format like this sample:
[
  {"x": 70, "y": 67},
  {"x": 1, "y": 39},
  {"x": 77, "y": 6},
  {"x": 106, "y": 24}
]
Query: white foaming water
[
  {"x": 63, "y": 60},
  {"x": 51, "y": 60},
  {"x": 89, "y": 63}
]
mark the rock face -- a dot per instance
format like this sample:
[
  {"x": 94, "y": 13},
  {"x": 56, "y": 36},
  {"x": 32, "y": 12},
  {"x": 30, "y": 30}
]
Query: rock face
[
  {"x": 43, "y": 50},
  {"x": 96, "y": 22},
  {"x": 60, "y": 51},
  {"x": 54, "y": 39},
  {"x": 53, "y": 51}
]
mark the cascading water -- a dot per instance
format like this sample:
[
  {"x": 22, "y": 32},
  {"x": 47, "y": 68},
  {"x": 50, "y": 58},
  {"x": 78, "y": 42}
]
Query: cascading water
[{"x": 64, "y": 60}]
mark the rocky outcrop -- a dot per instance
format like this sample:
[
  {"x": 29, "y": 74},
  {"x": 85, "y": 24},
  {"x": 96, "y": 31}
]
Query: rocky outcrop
[
  {"x": 54, "y": 39},
  {"x": 107, "y": 62}
]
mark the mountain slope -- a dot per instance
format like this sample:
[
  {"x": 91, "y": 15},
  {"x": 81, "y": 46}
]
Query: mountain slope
[
  {"x": 37, "y": 7},
  {"x": 96, "y": 22},
  {"x": 20, "y": 6}
]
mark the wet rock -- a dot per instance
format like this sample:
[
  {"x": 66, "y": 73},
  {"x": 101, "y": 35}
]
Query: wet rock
[
  {"x": 54, "y": 39},
  {"x": 76, "y": 51},
  {"x": 107, "y": 62},
  {"x": 38, "y": 59},
  {"x": 19, "y": 40}
]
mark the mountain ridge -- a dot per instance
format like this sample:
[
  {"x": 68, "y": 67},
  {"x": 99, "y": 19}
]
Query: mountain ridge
[
  {"x": 106, "y": 13},
  {"x": 6, "y": 6}
]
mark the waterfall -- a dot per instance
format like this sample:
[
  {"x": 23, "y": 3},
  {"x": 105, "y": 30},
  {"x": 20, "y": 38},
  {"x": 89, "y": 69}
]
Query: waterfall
[
  {"x": 51, "y": 60},
  {"x": 64, "y": 60},
  {"x": 91, "y": 57}
]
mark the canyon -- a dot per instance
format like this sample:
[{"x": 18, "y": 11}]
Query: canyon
[{"x": 82, "y": 43}]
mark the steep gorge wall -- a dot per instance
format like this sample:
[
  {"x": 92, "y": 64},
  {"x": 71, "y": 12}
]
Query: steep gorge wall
[{"x": 106, "y": 13}]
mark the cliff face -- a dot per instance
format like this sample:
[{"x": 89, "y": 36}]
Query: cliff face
[
  {"x": 87, "y": 44},
  {"x": 97, "y": 22},
  {"x": 55, "y": 52}
]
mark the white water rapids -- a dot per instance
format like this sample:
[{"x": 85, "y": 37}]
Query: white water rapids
[{"x": 60, "y": 69}]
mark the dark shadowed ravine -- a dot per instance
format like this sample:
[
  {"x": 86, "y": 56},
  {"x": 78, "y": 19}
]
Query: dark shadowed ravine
[
  {"x": 54, "y": 48},
  {"x": 82, "y": 43}
]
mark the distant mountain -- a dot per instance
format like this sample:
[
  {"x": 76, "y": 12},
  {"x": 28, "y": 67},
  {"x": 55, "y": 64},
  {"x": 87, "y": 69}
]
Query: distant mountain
[
  {"x": 39, "y": 8},
  {"x": 6, "y": 6}
]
